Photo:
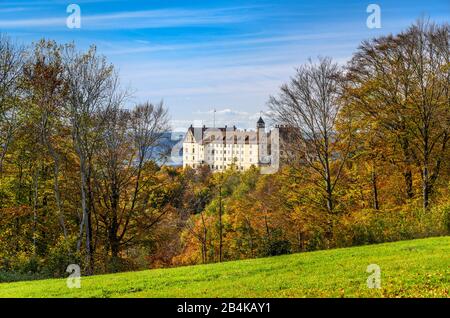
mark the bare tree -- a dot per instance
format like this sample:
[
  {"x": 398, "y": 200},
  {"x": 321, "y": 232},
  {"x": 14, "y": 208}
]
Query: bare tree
[
  {"x": 91, "y": 87},
  {"x": 11, "y": 64},
  {"x": 148, "y": 123},
  {"x": 114, "y": 162},
  {"x": 127, "y": 144},
  {"x": 309, "y": 106}
]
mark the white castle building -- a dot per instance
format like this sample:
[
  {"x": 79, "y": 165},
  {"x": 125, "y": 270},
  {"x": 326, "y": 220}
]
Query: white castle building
[{"x": 221, "y": 148}]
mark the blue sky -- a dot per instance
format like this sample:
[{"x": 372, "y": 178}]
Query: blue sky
[{"x": 200, "y": 55}]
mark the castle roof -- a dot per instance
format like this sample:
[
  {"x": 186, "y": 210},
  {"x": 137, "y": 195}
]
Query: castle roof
[{"x": 205, "y": 135}]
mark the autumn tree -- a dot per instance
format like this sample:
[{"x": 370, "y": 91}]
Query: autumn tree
[
  {"x": 11, "y": 64},
  {"x": 92, "y": 85},
  {"x": 46, "y": 91},
  {"x": 401, "y": 83},
  {"x": 123, "y": 159},
  {"x": 309, "y": 105}
]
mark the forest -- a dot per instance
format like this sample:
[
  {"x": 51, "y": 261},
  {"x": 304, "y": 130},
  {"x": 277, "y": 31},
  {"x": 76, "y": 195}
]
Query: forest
[{"x": 368, "y": 162}]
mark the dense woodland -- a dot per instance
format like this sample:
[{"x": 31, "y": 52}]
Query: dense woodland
[{"x": 368, "y": 162}]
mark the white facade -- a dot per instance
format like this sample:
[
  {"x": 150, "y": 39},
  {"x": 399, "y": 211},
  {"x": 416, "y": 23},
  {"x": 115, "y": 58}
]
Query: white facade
[{"x": 220, "y": 148}]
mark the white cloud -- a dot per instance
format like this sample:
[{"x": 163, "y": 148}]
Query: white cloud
[
  {"x": 243, "y": 41},
  {"x": 223, "y": 117},
  {"x": 143, "y": 19}
]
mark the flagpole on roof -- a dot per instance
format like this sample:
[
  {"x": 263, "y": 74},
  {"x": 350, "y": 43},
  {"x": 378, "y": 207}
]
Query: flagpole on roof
[{"x": 214, "y": 122}]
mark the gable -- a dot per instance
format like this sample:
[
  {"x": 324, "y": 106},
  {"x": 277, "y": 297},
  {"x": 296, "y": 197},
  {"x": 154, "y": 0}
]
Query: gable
[{"x": 189, "y": 136}]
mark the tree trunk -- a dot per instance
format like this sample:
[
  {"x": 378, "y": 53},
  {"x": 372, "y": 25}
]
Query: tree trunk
[
  {"x": 426, "y": 182},
  {"x": 35, "y": 204},
  {"x": 220, "y": 225},
  {"x": 376, "y": 204},
  {"x": 328, "y": 183},
  {"x": 426, "y": 187},
  {"x": 407, "y": 173},
  {"x": 57, "y": 193},
  {"x": 85, "y": 222},
  {"x": 114, "y": 227},
  {"x": 115, "y": 248},
  {"x": 204, "y": 240}
]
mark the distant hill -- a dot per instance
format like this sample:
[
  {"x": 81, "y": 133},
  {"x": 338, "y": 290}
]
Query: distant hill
[{"x": 170, "y": 150}]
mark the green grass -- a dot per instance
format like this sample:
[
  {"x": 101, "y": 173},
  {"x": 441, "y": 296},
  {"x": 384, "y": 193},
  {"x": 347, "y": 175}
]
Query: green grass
[{"x": 417, "y": 268}]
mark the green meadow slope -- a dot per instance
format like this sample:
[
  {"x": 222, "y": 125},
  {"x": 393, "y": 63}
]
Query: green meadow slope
[{"x": 417, "y": 268}]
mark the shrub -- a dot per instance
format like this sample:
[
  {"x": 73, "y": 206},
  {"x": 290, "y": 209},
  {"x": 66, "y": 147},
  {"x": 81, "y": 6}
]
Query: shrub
[
  {"x": 276, "y": 245},
  {"x": 370, "y": 226},
  {"x": 59, "y": 257}
]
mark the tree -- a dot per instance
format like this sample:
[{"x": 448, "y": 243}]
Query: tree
[
  {"x": 46, "y": 90},
  {"x": 11, "y": 64},
  {"x": 113, "y": 160},
  {"x": 309, "y": 106},
  {"x": 92, "y": 85},
  {"x": 128, "y": 139},
  {"x": 401, "y": 83},
  {"x": 197, "y": 195}
]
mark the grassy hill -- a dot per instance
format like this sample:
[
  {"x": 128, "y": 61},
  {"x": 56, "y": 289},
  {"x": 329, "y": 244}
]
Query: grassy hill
[{"x": 417, "y": 268}]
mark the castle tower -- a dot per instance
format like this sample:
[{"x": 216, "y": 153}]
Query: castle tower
[
  {"x": 260, "y": 123},
  {"x": 261, "y": 138}
]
